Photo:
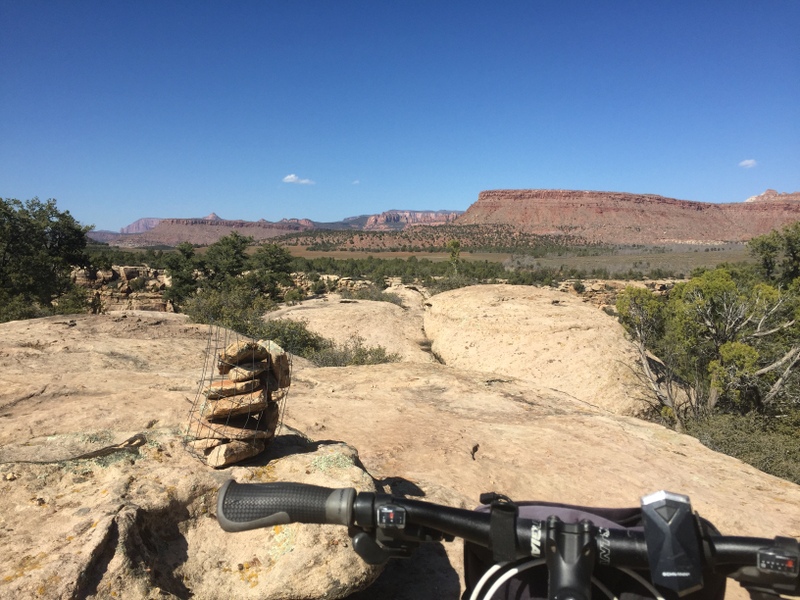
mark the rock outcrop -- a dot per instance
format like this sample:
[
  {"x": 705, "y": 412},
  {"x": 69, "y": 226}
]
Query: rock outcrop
[
  {"x": 393, "y": 220},
  {"x": 618, "y": 218},
  {"x": 774, "y": 196},
  {"x": 125, "y": 288},
  {"x": 98, "y": 496},
  {"x": 99, "y": 499},
  {"x": 140, "y": 225},
  {"x": 236, "y": 410}
]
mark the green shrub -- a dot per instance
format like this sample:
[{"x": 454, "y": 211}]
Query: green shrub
[
  {"x": 352, "y": 352},
  {"x": 293, "y": 336},
  {"x": 578, "y": 286},
  {"x": 292, "y": 297},
  {"x": 452, "y": 282},
  {"x": 237, "y": 307},
  {"x": 769, "y": 444},
  {"x": 75, "y": 301},
  {"x": 373, "y": 293},
  {"x": 137, "y": 284},
  {"x": 319, "y": 287},
  {"x": 17, "y": 308}
]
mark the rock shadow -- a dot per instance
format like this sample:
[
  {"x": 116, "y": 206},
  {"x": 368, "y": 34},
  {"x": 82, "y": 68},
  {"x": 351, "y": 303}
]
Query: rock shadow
[
  {"x": 153, "y": 550},
  {"x": 398, "y": 486},
  {"x": 285, "y": 445},
  {"x": 426, "y": 575}
]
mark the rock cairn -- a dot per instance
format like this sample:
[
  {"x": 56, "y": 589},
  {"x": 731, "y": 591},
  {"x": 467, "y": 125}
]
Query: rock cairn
[{"x": 237, "y": 407}]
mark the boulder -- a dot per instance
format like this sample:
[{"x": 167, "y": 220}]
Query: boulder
[
  {"x": 105, "y": 275},
  {"x": 231, "y": 406},
  {"x": 279, "y": 362},
  {"x": 246, "y": 371},
  {"x": 141, "y": 525},
  {"x": 251, "y": 428},
  {"x": 128, "y": 273},
  {"x": 226, "y": 387},
  {"x": 239, "y": 352},
  {"x": 232, "y": 452}
]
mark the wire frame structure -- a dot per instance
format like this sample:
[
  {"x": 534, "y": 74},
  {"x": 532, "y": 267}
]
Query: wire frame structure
[{"x": 240, "y": 397}]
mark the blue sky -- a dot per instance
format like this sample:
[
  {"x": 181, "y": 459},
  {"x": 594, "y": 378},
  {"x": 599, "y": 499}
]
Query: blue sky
[{"x": 330, "y": 109}]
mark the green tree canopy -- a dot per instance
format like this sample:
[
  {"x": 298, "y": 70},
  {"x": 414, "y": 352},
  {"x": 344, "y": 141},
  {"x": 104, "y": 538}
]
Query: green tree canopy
[
  {"x": 226, "y": 257},
  {"x": 778, "y": 253},
  {"x": 39, "y": 245},
  {"x": 724, "y": 342},
  {"x": 181, "y": 266}
]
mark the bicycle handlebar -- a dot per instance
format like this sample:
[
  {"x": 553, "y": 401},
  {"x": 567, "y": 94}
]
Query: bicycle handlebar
[
  {"x": 249, "y": 506},
  {"x": 400, "y": 523}
]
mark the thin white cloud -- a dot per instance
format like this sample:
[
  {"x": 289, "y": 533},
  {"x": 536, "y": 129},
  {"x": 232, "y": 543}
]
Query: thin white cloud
[
  {"x": 292, "y": 178},
  {"x": 356, "y": 182},
  {"x": 748, "y": 164}
]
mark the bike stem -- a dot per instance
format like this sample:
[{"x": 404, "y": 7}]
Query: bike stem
[{"x": 570, "y": 553}]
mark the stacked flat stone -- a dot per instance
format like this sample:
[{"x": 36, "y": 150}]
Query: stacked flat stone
[{"x": 237, "y": 415}]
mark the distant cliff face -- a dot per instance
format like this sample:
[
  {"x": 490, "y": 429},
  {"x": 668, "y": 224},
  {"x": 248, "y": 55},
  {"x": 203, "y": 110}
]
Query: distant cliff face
[
  {"x": 399, "y": 219},
  {"x": 774, "y": 197},
  {"x": 140, "y": 226},
  {"x": 621, "y": 218},
  {"x": 202, "y": 231}
]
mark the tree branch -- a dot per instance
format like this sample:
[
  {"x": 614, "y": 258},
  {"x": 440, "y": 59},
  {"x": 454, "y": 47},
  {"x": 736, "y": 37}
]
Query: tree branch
[{"x": 776, "y": 387}]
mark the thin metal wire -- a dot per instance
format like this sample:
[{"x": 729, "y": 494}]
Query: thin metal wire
[{"x": 228, "y": 414}]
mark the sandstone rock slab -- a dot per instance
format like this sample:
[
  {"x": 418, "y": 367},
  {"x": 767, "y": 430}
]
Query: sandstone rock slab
[
  {"x": 279, "y": 362},
  {"x": 233, "y": 406},
  {"x": 238, "y": 352},
  {"x": 245, "y": 372},
  {"x": 223, "y": 388},
  {"x": 236, "y": 428},
  {"x": 232, "y": 452}
]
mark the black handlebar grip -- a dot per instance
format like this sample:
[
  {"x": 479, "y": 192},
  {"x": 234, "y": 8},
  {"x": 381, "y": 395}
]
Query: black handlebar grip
[{"x": 243, "y": 506}]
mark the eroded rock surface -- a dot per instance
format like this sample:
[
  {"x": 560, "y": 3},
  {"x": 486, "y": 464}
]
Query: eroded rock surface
[
  {"x": 132, "y": 510},
  {"x": 100, "y": 499}
]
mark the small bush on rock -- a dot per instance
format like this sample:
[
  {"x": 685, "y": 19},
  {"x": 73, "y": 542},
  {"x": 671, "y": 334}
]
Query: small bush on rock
[
  {"x": 373, "y": 293},
  {"x": 453, "y": 282},
  {"x": 293, "y": 336},
  {"x": 352, "y": 352}
]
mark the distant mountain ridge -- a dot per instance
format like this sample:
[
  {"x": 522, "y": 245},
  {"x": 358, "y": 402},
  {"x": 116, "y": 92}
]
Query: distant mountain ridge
[
  {"x": 594, "y": 216},
  {"x": 773, "y": 196},
  {"x": 140, "y": 226},
  {"x": 205, "y": 230},
  {"x": 623, "y": 218}
]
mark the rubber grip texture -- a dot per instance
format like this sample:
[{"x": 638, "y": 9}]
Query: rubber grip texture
[{"x": 251, "y": 505}]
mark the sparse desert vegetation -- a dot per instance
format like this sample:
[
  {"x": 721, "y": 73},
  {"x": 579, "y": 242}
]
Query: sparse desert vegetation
[{"x": 714, "y": 369}]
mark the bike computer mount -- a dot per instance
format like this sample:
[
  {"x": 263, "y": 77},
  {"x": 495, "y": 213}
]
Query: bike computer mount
[{"x": 674, "y": 544}]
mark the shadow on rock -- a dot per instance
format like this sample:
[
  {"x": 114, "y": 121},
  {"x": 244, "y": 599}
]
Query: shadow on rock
[
  {"x": 426, "y": 575},
  {"x": 287, "y": 445},
  {"x": 398, "y": 486},
  {"x": 143, "y": 549}
]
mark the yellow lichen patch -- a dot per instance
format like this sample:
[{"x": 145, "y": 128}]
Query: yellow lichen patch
[
  {"x": 46, "y": 588},
  {"x": 282, "y": 542},
  {"x": 332, "y": 461},
  {"x": 26, "y": 564},
  {"x": 263, "y": 474},
  {"x": 248, "y": 571}
]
